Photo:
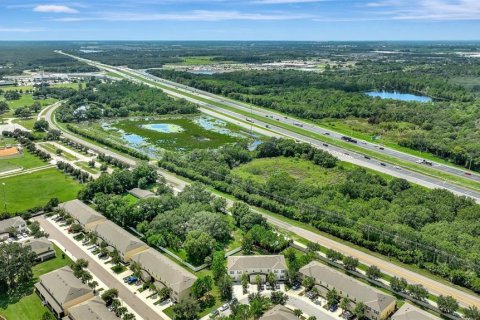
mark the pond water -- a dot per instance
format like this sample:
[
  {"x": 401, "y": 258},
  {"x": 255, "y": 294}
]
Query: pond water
[
  {"x": 398, "y": 96},
  {"x": 163, "y": 127},
  {"x": 203, "y": 72}
]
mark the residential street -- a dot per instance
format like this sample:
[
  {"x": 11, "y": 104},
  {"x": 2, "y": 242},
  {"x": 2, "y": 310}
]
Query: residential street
[{"x": 140, "y": 307}]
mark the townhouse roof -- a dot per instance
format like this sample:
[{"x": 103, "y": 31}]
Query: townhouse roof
[
  {"x": 11, "y": 222},
  {"x": 141, "y": 193},
  {"x": 93, "y": 309},
  {"x": 117, "y": 237},
  {"x": 410, "y": 312},
  {"x": 354, "y": 289},
  {"x": 62, "y": 286},
  {"x": 256, "y": 262},
  {"x": 165, "y": 270},
  {"x": 81, "y": 212},
  {"x": 279, "y": 312}
]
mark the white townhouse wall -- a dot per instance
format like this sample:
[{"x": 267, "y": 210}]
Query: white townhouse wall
[{"x": 257, "y": 265}]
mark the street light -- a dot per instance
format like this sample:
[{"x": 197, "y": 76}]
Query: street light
[{"x": 4, "y": 198}]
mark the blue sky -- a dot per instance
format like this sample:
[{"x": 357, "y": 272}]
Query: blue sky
[{"x": 240, "y": 20}]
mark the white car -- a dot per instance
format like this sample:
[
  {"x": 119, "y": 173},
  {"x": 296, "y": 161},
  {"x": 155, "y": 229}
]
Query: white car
[{"x": 224, "y": 307}]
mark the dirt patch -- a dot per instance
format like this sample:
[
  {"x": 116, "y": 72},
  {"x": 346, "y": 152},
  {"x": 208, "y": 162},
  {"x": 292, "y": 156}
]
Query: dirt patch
[{"x": 9, "y": 152}]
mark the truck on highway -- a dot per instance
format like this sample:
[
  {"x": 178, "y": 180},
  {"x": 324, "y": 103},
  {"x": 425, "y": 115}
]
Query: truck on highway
[{"x": 348, "y": 139}]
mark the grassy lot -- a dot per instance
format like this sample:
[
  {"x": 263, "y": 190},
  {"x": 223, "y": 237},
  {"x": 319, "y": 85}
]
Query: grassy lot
[
  {"x": 25, "y": 304},
  {"x": 131, "y": 199},
  {"x": 53, "y": 149},
  {"x": 25, "y": 191},
  {"x": 84, "y": 165},
  {"x": 197, "y": 60},
  {"x": 26, "y": 160},
  {"x": 27, "y": 123}
]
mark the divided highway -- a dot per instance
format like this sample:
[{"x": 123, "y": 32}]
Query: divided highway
[{"x": 236, "y": 111}]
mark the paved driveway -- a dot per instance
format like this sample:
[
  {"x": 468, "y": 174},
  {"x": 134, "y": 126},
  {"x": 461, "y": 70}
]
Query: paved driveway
[{"x": 133, "y": 301}]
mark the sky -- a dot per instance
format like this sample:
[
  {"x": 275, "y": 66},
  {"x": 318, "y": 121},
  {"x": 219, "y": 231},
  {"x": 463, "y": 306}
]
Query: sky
[{"x": 317, "y": 20}]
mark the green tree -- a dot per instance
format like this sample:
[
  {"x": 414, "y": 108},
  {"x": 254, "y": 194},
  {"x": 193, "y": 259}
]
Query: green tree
[
  {"x": 334, "y": 255},
  {"x": 417, "y": 291},
  {"x": 218, "y": 266},
  {"x": 344, "y": 303},
  {"x": 164, "y": 293},
  {"x": 359, "y": 310},
  {"x": 447, "y": 304},
  {"x": 373, "y": 272},
  {"x": 308, "y": 283},
  {"x": 472, "y": 313},
  {"x": 398, "y": 284},
  {"x": 198, "y": 245},
  {"x": 298, "y": 313},
  {"x": 109, "y": 295},
  {"x": 4, "y": 107},
  {"x": 258, "y": 281},
  {"x": 186, "y": 309},
  {"x": 41, "y": 125},
  {"x": 278, "y": 297},
  {"x": 225, "y": 286},
  {"x": 350, "y": 263},
  {"x": 16, "y": 263},
  {"x": 332, "y": 297},
  {"x": 271, "y": 278},
  {"x": 47, "y": 315},
  {"x": 244, "y": 280},
  {"x": 128, "y": 316},
  {"x": 202, "y": 286}
]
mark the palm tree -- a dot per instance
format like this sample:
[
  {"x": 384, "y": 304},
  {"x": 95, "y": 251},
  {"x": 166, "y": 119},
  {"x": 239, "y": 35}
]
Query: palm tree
[
  {"x": 93, "y": 284},
  {"x": 115, "y": 304},
  {"x": 121, "y": 311},
  {"x": 298, "y": 313},
  {"x": 128, "y": 316},
  {"x": 344, "y": 303}
]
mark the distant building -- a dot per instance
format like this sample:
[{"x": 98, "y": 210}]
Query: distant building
[
  {"x": 165, "y": 272},
  {"x": 87, "y": 217},
  {"x": 115, "y": 236},
  {"x": 410, "y": 312},
  {"x": 279, "y": 312},
  {"x": 257, "y": 265},
  {"x": 93, "y": 309},
  {"x": 378, "y": 304},
  {"x": 60, "y": 290},
  {"x": 6, "y": 83},
  {"x": 16, "y": 223},
  {"x": 141, "y": 193},
  {"x": 42, "y": 247}
]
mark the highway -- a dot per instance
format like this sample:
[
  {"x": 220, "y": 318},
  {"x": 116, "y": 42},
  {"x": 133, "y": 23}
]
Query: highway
[
  {"x": 199, "y": 97},
  {"x": 433, "y": 286}
]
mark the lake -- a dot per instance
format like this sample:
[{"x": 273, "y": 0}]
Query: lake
[{"x": 398, "y": 96}]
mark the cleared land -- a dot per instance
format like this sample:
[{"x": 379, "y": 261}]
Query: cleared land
[
  {"x": 26, "y": 191},
  {"x": 26, "y": 160},
  {"x": 25, "y": 304}
]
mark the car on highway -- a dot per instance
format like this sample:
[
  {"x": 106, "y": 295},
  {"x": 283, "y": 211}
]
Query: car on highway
[
  {"x": 382, "y": 148},
  {"x": 367, "y": 157},
  {"x": 468, "y": 173},
  {"x": 383, "y": 164},
  {"x": 325, "y": 145}
]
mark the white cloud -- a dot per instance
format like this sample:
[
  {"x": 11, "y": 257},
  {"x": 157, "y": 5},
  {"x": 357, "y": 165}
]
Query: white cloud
[
  {"x": 54, "y": 8},
  {"x": 196, "y": 15},
  {"x": 21, "y": 30}
]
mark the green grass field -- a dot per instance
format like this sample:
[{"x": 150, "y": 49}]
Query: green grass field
[
  {"x": 25, "y": 100},
  {"x": 26, "y": 305},
  {"x": 26, "y": 161},
  {"x": 27, "y": 123},
  {"x": 29, "y": 190},
  {"x": 53, "y": 149}
]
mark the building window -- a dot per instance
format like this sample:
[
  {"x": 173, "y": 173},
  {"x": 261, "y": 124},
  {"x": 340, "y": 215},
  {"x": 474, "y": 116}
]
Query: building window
[{"x": 232, "y": 272}]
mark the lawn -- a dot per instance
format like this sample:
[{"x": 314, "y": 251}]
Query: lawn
[
  {"x": 26, "y": 304},
  {"x": 84, "y": 165},
  {"x": 27, "y": 123},
  {"x": 53, "y": 149},
  {"x": 26, "y": 161},
  {"x": 260, "y": 170},
  {"x": 26, "y": 191},
  {"x": 26, "y": 99}
]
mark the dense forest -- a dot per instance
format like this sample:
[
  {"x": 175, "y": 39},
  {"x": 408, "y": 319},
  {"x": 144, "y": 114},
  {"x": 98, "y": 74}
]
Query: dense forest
[
  {"x": 119, "y": 99},
  {"x": 16, "y": 57},
  {"x": 434, "y": 229},
  {"x": 447, "y": 128}
]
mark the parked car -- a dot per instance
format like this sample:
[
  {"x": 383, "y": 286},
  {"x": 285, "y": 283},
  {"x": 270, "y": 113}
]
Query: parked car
[
  {"x": 269, "y": 287},
  {"x": 233, "y": 301},
  {"x": 317, "y": 302},
  {"x": 131, "y": 280},
  {"x": 214, "y": 313},
  {"x": 224, "y": 307},
  {"x": 277, "y": 286},
  {"x": 333, "y": 308}
]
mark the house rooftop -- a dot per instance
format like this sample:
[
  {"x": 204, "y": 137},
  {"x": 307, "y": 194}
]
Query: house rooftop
[
  {"x": 11, "y": 222},
  {"x": 117, "y": 237},
  {"x": 81, "y": 212},
  {"x": 348, "y": 286},
  {"x": 256, "y": 262},
  {"x": 39, "y": 246},
  {"x": 410, "y": 312},
  {"x": 164, "y": 269},
  {"x": 62, "y": 286},
  {"x": 93, "y": 309},
  {"x": 141, "y": 193},
  {"x": 279, "y": 312}
]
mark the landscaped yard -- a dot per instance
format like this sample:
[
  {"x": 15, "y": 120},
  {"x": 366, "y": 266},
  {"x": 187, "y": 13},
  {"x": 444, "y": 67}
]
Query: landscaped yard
[
  {"x": 28, "y": 305},
  {"x": 26, "y": 191}
]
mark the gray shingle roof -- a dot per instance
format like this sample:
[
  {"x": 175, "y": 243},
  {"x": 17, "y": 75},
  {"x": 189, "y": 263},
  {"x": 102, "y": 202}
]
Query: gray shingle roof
[
  {"x": 40, "y": 245},
  {"x": 163, "y": 269},
  {"x": 63, "y": 286},
  {"x": 81, "y": 212},
  {"x": 258, "y": 262},
  {"x": 355, "y": 289},
  {"x": 141, "y": 193},
  {"x": 117, "y": 237},
  {"x": 410, "y": 312},
  {"x": 11, "y": 222},
  {"x": 93, "y": 309},
  {"x": 279, "y": 312}
]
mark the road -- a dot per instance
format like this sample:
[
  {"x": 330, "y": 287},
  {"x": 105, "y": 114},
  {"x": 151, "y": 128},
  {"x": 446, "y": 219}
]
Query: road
[
  {"x": 433, "y": 286},
  {"x": 198, "y": 97},
  {"x": 134, "y": 302}
]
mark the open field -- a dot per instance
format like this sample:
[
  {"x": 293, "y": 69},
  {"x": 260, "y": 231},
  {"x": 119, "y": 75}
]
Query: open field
[
  {"x": 26, "y": 191},
  {"x": 52, "y": 149},
  {"x": 26, "y": 161},
  {"x": 27, "y": 305}
]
